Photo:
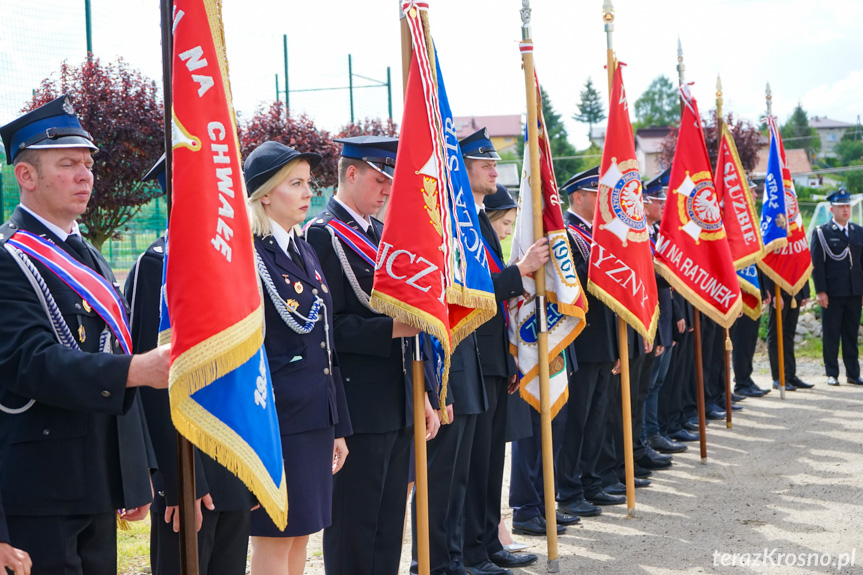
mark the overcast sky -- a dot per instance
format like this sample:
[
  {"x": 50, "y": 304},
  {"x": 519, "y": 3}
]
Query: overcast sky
[{"x": 810, "y": 52}]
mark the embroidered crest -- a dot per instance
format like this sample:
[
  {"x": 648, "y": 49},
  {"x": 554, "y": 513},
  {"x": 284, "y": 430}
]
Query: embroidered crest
[
  {"x": 698, "y": 207},
  {"x": 621, "y": 206}
]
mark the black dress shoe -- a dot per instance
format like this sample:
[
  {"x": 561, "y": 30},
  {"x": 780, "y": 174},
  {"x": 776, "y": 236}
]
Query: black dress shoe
[
  {"x": 788, "y": 386},
  {"x": 603, "y": 498},
  {"x": 832, "y": 380},
  {"x": 800, "y": 384},
  {"x": 533, "y": 526},
  {"x": 641, "y": 472},
  {"x": 615, "y": 489},
  {"x": 715, "y": 414},
  {"x": 852, "y": 381},
  {"x": 487, "y": 568},
  {"x": 663, "y": 444},
  {"x": 751, "y": 392},
  {"x": 655, "y": 455},
  {"x": 648, "y": 463},
  {"x": 692, "y": 425},
  {"x": 736, "y": 407},
  {"x": 504, "y": 558},
  {"x": 683, "y": 435},
  {"x": 566, "y": 519},
  {"x": 581, "y": 508}
]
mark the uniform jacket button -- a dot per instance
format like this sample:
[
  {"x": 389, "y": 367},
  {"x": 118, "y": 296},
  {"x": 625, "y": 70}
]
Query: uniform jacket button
[
  {"x": 77, "y": 306},
  {"x": 323, "y": 345},
  {"x": 106, "y": 393},
  {"x": 46, "y": 432},
  {"x": 326, "y": 371}
]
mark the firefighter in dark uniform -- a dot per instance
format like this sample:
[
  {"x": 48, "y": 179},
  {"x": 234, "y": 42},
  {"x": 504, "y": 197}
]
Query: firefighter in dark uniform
[
  {"x": 73, "y": 441},
  {"x": 837, "y": 271},
  {"x": 483, "y": 552},
  {"x": 370, "y": 492},
  {"x": 223, "y": 500}
]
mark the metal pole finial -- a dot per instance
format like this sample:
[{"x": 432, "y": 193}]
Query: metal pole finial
[
  {"x": 681, "y": 67},
  {"x": 768, "y": 94},
  {"x": 525, "y": 19},
  {"x": 718, "y": 86},
  {"x": 607, "y": 11}
]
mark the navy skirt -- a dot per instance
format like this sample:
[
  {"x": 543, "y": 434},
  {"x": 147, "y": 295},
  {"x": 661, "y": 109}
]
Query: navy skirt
[{"x": 309, "y": 478}]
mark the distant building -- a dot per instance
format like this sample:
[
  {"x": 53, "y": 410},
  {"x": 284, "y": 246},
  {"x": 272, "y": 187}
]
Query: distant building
[
  {"x": 597, "y": 135},
  {"x": 504, "y": 131},
  {"x": 830, "y": 132},
  {"x": 648, "y": 147}
]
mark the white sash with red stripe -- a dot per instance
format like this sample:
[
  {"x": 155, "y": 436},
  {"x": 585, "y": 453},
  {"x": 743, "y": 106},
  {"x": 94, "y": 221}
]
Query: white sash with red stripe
[{"x": 95, "y": 290}]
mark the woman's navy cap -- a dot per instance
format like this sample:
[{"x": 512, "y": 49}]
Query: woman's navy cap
[
  {"x": 52, "y": 125},
  {"x": 269, "y": 158},
  {"x": 377, "y": 151},
  {"x": 586, "y": 180},
  {"x": 478, "y": 146},
  {"x": 500, "y": 200},
  {"x": 157, "y": 172},
  {"x": 840, "y": 198}
]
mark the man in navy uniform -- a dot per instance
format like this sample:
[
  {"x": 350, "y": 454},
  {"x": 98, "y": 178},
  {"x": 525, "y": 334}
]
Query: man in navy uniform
[
  {"x": 483, "y": 552},
  {"x": 370, "y": 492},
  {"x": 790, "y": 315},
  {"x": 594, "y": 351},
  {"x": 837, "y": 271},
  {"x": 73, "y": 442},
  {"x": 223, "y": 535}
]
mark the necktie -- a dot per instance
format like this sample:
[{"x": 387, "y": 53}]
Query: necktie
[
  {"x": 370, "y": 232},
  {"x": 295, "y": 254},
  {"x": 77, "y": 244}
]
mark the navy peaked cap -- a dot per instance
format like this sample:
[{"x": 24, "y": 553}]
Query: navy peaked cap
[
  {"x": 478, "y": 146},
  {"x": 586, "y": 180},
  {"x": 52, "y": 125}
]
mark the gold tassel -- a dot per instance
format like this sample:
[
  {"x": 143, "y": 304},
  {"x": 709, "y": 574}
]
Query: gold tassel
[
  {"x": 728, "y": 346},
  {"x": 793, "y": 303},
  {"x": 122, "y": 524}
]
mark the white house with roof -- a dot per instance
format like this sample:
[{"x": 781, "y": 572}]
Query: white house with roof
[{"x": 830, "y": 132}]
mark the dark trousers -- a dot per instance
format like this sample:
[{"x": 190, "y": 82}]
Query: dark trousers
[
  {"x": 448, "y": 461},
  {"x": 677, "y": 399},
  {"x": 67, "y": 544},
  {"x": 744, "y": 336},
  {"x": 223, "y": 543},
  {"x": 789, "y": 326},
  {"x": 482, "y": 504},
  {"x": 369, "y": 499},
  {"x": 526, "y": 484},
  {"x": 651, "y": 402},
  {"x": 584, "y": 431},
  {"x": 713, "y": 361},
  {"x": 640, "y": 387},
  {"x": 841, "y": 321}
]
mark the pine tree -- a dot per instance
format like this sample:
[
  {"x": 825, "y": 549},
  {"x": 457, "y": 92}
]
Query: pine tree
[
  {"x": 590, "y": 109},
  {"x": 659, "y": 105}
]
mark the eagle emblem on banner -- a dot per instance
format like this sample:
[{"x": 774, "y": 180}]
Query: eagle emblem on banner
[{"x": 623, "y": 211}]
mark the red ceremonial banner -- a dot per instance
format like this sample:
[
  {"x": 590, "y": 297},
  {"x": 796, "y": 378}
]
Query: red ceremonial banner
[
  {"x": 735, "y": 201},
  {"x": 413, "y": 280},
  {"x": 791, "y": 265},
  {"x": 620, "y": 272},
  {"x": 692, "y": 251}
]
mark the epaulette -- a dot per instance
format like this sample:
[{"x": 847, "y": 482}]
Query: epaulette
[
  {"x": 6, "y": 231},
  {"x": 321, "y": 219}
]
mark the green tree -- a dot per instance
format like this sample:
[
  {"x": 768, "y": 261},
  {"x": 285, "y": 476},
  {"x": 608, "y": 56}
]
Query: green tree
[
  {"x": 590, "y": 109},
  {"x": 849, "y": 151},
  {"x": 797, "y": 133},
  {"x": 558, "y": 141},
  {"x": 659, "y": 105}
]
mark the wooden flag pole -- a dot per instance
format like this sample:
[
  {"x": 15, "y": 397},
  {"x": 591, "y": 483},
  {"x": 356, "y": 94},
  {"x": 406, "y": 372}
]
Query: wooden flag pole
[
  {"x": 696, "y": 314},
  {"x": 540, "y": 301},
  {"x": 420, "y": 457},
  {"x": 185, "y": 449},
  {"x": 777, "y": 294},
  {"x": 719, "y": 126},
  {"x": 622, "y": 341}
]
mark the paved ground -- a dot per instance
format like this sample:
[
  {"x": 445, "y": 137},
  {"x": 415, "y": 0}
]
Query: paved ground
[{"x": 788, "y": 477}]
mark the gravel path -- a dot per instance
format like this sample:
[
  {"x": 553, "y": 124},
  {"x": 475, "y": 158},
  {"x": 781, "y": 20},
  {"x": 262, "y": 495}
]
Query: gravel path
[{"x": 788, "y": 479}]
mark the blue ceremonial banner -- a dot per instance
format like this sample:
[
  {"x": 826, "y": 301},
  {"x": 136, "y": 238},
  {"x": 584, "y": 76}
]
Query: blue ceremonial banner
[
  {"x": 750, "y": 290},
  {"x": 774, "y": 220},
  {"x": 472, "y": 279}
]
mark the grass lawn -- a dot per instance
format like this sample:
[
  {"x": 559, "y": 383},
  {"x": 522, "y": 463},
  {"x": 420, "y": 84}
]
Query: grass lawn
[{"x": 133, "y": 548}]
